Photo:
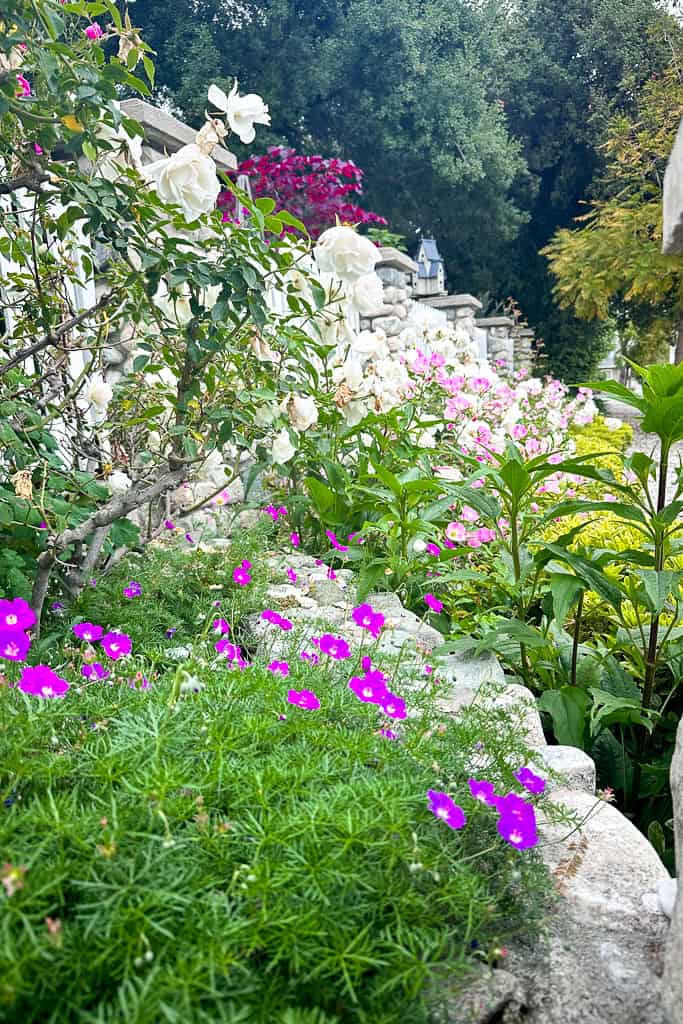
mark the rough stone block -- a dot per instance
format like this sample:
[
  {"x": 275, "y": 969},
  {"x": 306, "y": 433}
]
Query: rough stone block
[
  {"x": 575, "y": 766},
  {"x": 673, "y": 970},
  {"x": 673, "y": 199}
]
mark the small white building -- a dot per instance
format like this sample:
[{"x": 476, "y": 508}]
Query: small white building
[{"x": 431, "y": 273}]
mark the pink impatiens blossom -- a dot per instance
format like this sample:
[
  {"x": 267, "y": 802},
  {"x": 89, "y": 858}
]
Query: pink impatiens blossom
[
  {"x": 41, "y": 681},
  {"x": 16, "y": 614},
  {"x": 24, "y": 86},
  {"x": 305, "y": 699},
  {"x": 334, "y": 646},
  {"x": 14, "y": 644},
  {"x": 457, "y": 532},
  {"x": 367, "y": 618},
  {"x": 88, "y": 631},
  {"x": 116, "y": 645},
  {"x": 279, "y": 666},
  {"x": 393, "y": 706},
  {"x": 94, "y": 31},
  {"x": 433, "y": 603},
  {"x": 370, "y": 688},
  {"x": 443, "y": 808},
  {"x": 469, "y": 514}
]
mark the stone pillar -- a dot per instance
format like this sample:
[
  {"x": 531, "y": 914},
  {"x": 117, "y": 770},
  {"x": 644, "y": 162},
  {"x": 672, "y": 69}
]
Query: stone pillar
[
  {"x": 458, "y": 308},
  {"x": 673, "y": 199},
  {"x": 499, "y": 343},
  {"x": 672, "y": 982},
  {"x": 523, "y": 349},
  {"x": 397, "y": 273}
]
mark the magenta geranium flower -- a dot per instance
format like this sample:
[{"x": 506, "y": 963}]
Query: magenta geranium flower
[
  {"x": 16, "y": 614},
  {"x": 442, "y": 807},
  {"x": 433, "y": 603},
  {"x": 334, "y": 542},
  {"x": 433, "y": 549},
  {"x": 295, "y": 540},
  {"x": 393, "y": 706},
  {"x": 276, "y": 620},
  {"x": 334, "y": 646},
  {"x": 305, "y": 699},
  {"x": 169, "y": 525},
  {"x": 232, "y": 652},
  {"x": 95, "y": 671},
  {"x": 14, "y": 644},
  {"x": 482, "y": 790},
  {"x": 291, "y": 575},
  {"x": 370, "y": 688},
  {"x": 41, "y": 681},
  {"x": 88, "y": 631},
  {"x": 388, "y": 734},
  {"x": 514, "y": 806},
  {"x": 241, "y": 576},
  {"x": 518, "y": 832},
  {"x": 367, "y": 618},
  {"x": 116, "y": 645},
  {"x": 132, "y": 590},
  {"x": 532, "y": 782},
  {"x": 24, "y": 86},
  {"x": 220, "y": 626},
  {"x": 93, "y": 32},
  {"x": 310, "y": 656},
  {"x": 279, "y": 666}
]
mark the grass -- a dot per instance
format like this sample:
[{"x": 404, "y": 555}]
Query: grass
[{"x": 225, "y": 856}]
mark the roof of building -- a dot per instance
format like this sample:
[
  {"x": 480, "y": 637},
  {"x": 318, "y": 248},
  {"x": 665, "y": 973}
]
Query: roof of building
[{"x": 434, "y": 259}]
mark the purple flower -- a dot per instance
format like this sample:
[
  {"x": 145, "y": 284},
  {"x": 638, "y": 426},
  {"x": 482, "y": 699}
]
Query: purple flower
[
  {"x": 393, "y": 706},
  {"x": 518, "y": 832},
  {"x": 279, "y": 666},
  {"x": 220, "y": 626},
  {"x": 88, "y": 631},
  {"x": 274, "y": 512},
  {"x": 442, "y": 807},
  {"x": 116, "y": 645},
  {"x": 189, "y": 538},
  {"x": 231, "y": 651},
  {"x": 514, "y": 806},
  {"x": 139, "y": 682},
  {"x": 334, "y": 542},
  {"x": 94, "y": 31},
  {"x": 276, "y": 620},
  {"x": 433, "y": 603},
  {"x": 433, "y": 549},
  {"x": 93, "y": 582},
  {"x": 367, "y": 618},
  {"x": 16, "y": 614},
  {"x": 532, "y": 782},
  {"x": 94, "y": 671},
  {"x": 56, "y": 606},
  {"x": 241, "y": 577},
  {"x": 295, "y": 540},
  {"x": 388, "y": 734},
  {"x": 334, "y": 646},
  {"x": 24, "y": 86},
  {"x": 41, "y": 681},
  {"x": 305, "y": 699},
  {"x": 170, "y": 633},
  {"x": 42, "y": 526},
  {"x": 132, "y": 590},
  {"x": 14, "y": 644},
  {"x": 366, "y": 663},
  {"x": 169, "y": 525},
  {"x": 310, "y": 656},
  {"x": 370, "y": 688},
  {"x": 291, "y": 575},
  {"x": 482, "y": 791}
]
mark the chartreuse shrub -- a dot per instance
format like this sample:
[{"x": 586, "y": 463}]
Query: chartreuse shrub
[{"x": 181, "y": 843}]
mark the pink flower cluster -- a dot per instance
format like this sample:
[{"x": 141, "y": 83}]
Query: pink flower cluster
[
  {"x": 115, "y": 645},
  {"x": 316, "y": 190}
]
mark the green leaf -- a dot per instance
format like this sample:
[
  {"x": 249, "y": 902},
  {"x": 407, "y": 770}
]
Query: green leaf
[
  {"x": 596, "y": 580},
  {"x": 321, "y": 495},
  {"x": 613, "y": 764},
  {"x": 568, "y": 708},
  {"x": 657, "y": 585},
  {"x": 610, "y": 710},
  {"x": 565, "y": 590}
]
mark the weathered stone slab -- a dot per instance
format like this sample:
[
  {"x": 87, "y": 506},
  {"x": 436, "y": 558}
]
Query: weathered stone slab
[
  {"x": 575, "y": 766},
  {"x": 673, "y": 199},
  {"x": 512, "y": 695},
  {"x": 673, "y": 973}
]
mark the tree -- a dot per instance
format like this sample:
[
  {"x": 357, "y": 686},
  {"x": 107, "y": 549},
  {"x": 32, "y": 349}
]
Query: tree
[{"x": 612, "y": 264}]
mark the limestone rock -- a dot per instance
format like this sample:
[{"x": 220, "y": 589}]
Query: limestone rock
[
  {"x": 391, "y": 325},
  {"x": 511, "y": 695},
  {"x": 673, "y": 973},
  {"x": 575, "y": 766}
]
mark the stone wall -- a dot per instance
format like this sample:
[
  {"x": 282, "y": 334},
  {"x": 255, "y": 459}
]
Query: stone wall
[{"x": 673, "y": 972}]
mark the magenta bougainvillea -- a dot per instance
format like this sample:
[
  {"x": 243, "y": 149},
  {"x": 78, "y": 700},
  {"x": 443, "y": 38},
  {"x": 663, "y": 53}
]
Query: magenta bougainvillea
[{"x": 318, "y": 191}]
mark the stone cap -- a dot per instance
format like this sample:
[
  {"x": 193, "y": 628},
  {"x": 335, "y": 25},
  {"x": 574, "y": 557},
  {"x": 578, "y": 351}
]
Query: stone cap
[
  {"x": 166, "y": 133},
  {"x": 526, "y": 332},
  {"x": 673, "y": 199},
  {"x": 495, "y": 321},
  {"x": 452, "y": 301},
  {"x": 394, "y": 258}
]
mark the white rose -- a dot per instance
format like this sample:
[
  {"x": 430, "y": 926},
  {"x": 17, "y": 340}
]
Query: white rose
[
  {"x": 243, "y": 111},
  {"x": 98, "y": 391},
  {"x": 282, "y": 448},
  {"x": 174, "y": 306},
  {"x": 351, "y": 373},
  {"x": 302, "y": 412},
  {"x": 370, "y": 345},
  {"x": 367, "y": 295},
  {"x": 419, "y": 546},
  {"x": 119, "y": 482},
  {"x": 345, "y": 253},
  {"x": 188, "y": 178}
]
